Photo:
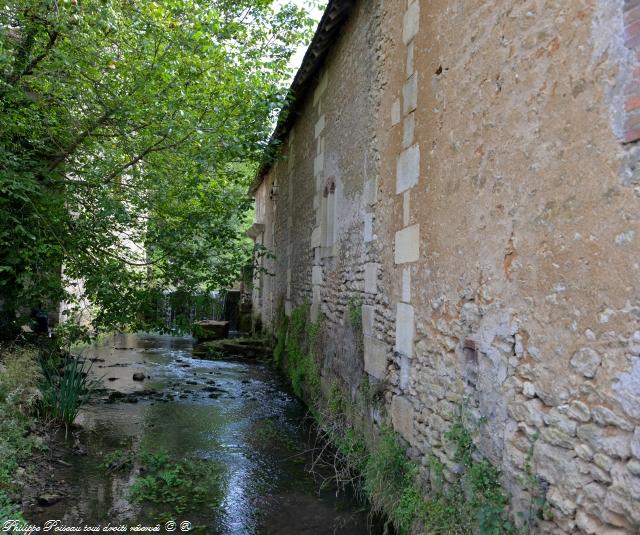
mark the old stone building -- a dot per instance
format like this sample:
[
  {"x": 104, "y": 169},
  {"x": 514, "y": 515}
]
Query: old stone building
[{"x": 467, "y": 173}]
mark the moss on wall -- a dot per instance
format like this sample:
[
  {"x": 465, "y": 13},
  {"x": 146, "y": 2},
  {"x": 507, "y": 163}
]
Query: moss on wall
[
  {"x": 376, "y": 463},
  {"x": 294, "y": 352}
]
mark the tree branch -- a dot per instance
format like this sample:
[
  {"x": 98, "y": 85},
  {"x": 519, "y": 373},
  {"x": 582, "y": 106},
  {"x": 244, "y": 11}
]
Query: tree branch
[
  {"x": 28, "y": 69},
  {"x": 70, "y": 149}
]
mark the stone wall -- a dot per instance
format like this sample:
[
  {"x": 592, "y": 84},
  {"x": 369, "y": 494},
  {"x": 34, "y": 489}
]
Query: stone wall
[{"x": 466, "y": 173}]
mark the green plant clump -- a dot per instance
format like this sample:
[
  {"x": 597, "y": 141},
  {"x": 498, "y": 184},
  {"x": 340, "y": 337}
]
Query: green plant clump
[
  {"x": 179, "y": 486},
  {"x": 390, "y": 482},
  {"x": 65, "y": 388},
  {"x": 118, "y": 460},
  {"x": 473, "y": 503}
]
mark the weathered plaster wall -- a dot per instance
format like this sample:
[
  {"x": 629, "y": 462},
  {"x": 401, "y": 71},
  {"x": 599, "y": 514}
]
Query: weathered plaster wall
[
  {"x": 321, "y": 213},
  {"x": 486, "y": 219}
]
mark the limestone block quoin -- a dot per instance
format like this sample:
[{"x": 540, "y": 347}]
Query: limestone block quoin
[
  {"x": 408, "y": 168},
  {"x": 407, "y": 245}
]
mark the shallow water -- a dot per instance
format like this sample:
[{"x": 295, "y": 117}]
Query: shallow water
[{"x": 237, "y": 413}]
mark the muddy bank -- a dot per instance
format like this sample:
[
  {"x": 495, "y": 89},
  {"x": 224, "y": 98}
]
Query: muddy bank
[{"x": 229, "y": 429}]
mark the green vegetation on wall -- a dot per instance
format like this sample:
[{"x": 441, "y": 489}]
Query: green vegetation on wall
[
  {"x": 295, "y": 352},
  {"x": 355, "y": 313},
  {"x": 376, "y": 463},
  {"x": 474, "y": 502}
]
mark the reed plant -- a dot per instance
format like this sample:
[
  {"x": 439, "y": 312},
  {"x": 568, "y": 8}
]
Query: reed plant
[{"x": 65, "y": 387}]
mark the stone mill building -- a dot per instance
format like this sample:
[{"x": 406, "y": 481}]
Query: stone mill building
[{"x": 464, "y": 175}]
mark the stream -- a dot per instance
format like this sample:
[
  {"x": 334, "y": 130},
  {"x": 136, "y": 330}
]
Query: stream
[{"x": 237, "y": 416}]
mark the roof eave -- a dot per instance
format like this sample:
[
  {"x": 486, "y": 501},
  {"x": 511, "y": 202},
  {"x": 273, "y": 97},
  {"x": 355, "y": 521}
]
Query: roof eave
[{"x": 333, "y": 18}]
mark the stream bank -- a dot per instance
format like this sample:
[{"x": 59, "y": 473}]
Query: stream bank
[{"x": 220, "y": 444}]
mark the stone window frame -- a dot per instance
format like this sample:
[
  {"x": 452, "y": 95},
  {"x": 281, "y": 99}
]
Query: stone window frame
[{"x": 328, "y": 217}]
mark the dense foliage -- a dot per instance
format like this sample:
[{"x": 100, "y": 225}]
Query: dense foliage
[
  {"x": 19, "y": 377},
  {"x": 128, "y": 133}
]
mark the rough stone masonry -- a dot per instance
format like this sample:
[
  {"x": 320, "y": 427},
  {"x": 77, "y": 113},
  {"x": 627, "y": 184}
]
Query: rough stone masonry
[{"x": 467, "y": 172}]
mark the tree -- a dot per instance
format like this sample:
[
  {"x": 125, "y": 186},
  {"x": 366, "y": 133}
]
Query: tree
[{"x": 128, "y": 133}]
